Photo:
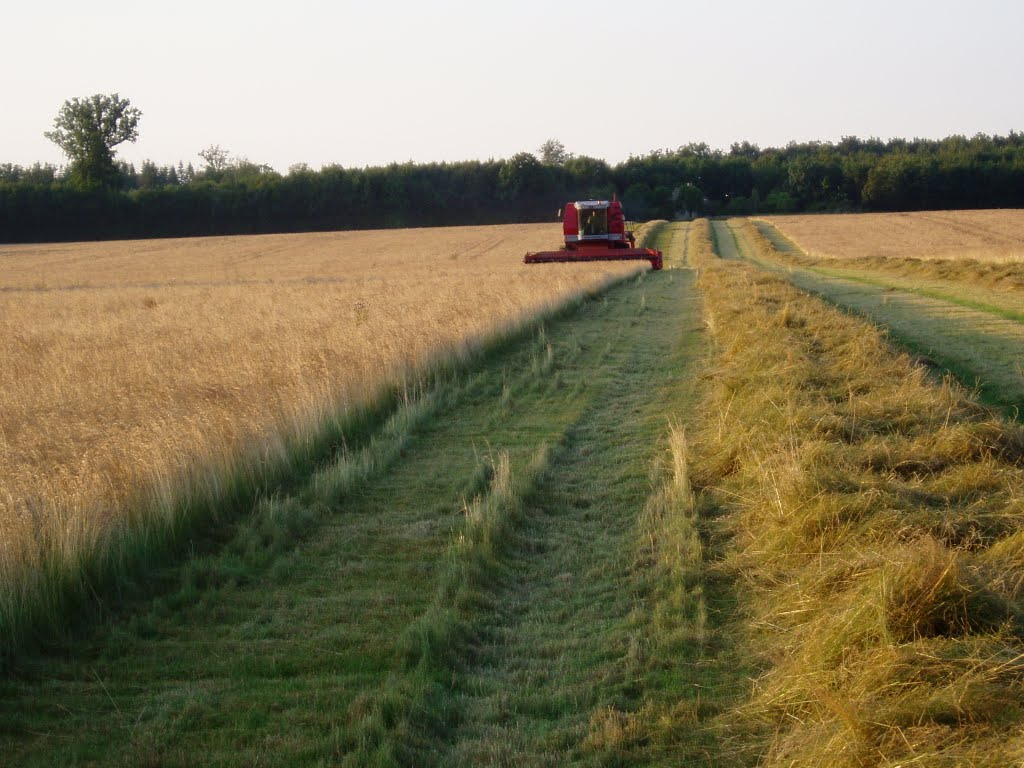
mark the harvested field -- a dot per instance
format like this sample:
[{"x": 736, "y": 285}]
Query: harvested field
[
  {"x": 988, "y": 236},
  {"x": 129, "y": 364}
]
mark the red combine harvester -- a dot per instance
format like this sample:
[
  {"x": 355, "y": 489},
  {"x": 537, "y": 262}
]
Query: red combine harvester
[{"x": 595, "y": 230}]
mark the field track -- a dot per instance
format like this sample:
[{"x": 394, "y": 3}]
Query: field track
[
  {"x": 307, "y": 634},
  {"x": 977, "y": 335},
  {"x": 560, "y": 640}
]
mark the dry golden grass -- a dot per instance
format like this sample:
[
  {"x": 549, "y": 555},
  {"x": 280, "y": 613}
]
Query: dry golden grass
[
  {"x": 986, "y": 236},
  {"x": 127, "y": 365},
  {"x": 877, "y": 521}
]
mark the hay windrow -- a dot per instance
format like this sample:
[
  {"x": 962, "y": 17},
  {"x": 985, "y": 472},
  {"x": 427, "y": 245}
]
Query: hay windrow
[{"x": 876, "y": 527}]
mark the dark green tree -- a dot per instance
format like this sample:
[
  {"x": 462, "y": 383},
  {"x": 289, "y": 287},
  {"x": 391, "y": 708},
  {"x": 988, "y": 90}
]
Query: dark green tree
[
  {"x": 529, "y": 187},
  {"x": 39, "y": 202},
  {"x": 522, "y": 176},
  {"x": 589, "y": 178},
  {"x": 88, "y": 129}
]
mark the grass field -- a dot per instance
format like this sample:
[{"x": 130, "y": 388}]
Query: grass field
[
  {"x": 694, "y": 517},
  {"x": 139, "y": 373}
]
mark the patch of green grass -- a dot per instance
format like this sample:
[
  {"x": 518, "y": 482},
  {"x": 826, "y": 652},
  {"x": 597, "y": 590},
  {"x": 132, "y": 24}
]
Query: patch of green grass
[
  {"x": 724, "y": 240},
  {"x": 591, "y": 646},
  {"x": 782, "y": 243},
  {"x": 915, "y": 287},
  {"x": 671, "y": 240}
]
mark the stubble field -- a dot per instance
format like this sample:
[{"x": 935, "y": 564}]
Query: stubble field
[{"x": 988, "y": 236}]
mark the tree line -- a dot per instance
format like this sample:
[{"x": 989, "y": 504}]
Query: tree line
[{"x": 97, "y": 197}]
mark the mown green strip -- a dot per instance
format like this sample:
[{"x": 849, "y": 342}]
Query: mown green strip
[
  {"x": 1008, "y": 314},
  {"x": 724, "y": 240},
  {"x": 591, "y": 650}
]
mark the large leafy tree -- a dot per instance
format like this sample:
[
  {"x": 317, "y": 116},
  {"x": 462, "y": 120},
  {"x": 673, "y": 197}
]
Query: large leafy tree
[{"x": 88, "y": 130}]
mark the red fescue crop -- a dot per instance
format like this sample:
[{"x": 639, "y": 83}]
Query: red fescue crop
[{"x": 139, "y": 374}]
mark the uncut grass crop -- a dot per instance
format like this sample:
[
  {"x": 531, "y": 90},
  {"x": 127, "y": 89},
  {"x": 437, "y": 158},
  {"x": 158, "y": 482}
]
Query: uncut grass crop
[
  {"x": 876, "y": 520},
  {"x": 141, "y": 379}
]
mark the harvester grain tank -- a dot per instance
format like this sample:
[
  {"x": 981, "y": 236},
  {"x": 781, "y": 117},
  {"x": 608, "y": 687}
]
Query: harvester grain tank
[{"x": 595, "y": 230}]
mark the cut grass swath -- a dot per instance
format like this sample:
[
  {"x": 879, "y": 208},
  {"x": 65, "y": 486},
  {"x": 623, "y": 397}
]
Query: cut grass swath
[{"x": 875, "y": 516}]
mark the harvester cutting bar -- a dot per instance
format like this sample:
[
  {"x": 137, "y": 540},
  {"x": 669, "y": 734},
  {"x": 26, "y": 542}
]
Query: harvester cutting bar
[{"x": 597, "y": 254}]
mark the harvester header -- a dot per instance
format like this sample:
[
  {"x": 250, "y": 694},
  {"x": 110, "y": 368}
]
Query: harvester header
[{"x": 595, "y": 230}]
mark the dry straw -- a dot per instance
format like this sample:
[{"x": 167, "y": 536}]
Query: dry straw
[{"x": 877, "y": 520}]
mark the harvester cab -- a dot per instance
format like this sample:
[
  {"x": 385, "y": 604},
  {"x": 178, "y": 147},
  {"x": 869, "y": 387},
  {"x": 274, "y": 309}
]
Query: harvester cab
[{"x": 595, "y": 230}]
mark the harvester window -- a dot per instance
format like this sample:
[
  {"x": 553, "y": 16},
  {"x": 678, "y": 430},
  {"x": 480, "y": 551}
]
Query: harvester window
[{"x": 595, "y": 222}]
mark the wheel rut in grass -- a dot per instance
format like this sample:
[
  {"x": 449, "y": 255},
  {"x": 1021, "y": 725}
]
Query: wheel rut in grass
[
  {"x": 980, "y": 346},
  {"x": 266, "y": 648}
]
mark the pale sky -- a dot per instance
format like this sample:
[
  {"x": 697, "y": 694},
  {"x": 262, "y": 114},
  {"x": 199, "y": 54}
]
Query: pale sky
[{"x": 369, "y": 83}]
